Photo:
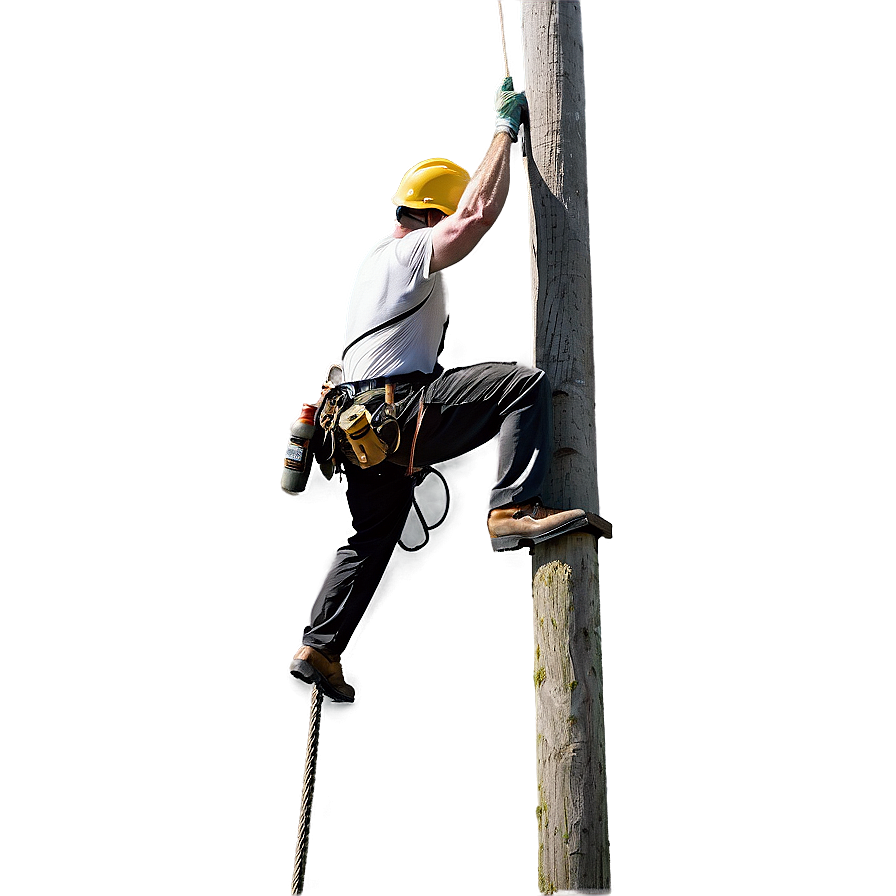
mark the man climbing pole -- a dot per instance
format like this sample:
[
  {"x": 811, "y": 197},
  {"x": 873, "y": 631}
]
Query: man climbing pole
[{"x": 398, "y": 411}]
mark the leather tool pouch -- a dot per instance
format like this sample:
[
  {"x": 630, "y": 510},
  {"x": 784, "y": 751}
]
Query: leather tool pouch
[
  {"x": 361, "y": 427},
  {"x": 365, "y": 444}
]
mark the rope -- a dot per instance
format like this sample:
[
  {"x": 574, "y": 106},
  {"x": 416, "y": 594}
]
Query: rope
[
  {"x": 503, "y": 41},
  {"x": 298, "y": 878}
]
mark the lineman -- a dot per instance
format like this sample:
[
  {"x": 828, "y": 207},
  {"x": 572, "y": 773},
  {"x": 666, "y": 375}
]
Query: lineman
[{"x": 395, "y": 331}]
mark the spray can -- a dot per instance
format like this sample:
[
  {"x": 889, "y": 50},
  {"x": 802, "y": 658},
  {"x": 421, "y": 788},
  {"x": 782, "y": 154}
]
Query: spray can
[{"x": 297, "y": 464}]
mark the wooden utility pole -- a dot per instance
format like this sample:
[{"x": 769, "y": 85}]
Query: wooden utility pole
[{"x": 574, "y": 846}]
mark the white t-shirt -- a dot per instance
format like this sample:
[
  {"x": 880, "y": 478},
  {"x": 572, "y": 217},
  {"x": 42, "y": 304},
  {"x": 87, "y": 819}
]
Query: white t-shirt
[{"x": 393, "y": 280}]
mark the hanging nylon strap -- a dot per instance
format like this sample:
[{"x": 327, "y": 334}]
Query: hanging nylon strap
[{"x": 427, "y": 528}]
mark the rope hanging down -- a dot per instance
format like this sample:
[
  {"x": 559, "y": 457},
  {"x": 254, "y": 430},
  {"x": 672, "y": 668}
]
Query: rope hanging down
[{"x": 298, "y": 878}]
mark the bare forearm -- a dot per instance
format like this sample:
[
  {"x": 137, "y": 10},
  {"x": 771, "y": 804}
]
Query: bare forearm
[
  {"x": 455, "y": 237},
  {"x": 487, "y": 191}
]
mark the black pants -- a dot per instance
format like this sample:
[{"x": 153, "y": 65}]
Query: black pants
[{"x": 465, "y": 408}]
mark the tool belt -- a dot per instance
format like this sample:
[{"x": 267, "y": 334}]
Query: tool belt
[
  {"x": 358, "y": 419},
  {"x": 351, "y": 423}
]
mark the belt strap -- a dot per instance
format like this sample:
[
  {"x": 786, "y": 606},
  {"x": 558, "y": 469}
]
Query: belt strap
[{"x": 417, "y": 377}]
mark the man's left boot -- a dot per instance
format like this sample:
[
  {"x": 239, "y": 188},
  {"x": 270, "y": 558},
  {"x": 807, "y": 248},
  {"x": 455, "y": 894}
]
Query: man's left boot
[{"x": 319, "y": 667}]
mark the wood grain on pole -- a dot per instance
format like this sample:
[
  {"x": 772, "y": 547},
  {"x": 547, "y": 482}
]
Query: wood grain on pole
[{"x": 572, "y": 791}]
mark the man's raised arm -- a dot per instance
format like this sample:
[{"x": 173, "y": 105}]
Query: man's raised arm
[{"x": 455, "y": 237}]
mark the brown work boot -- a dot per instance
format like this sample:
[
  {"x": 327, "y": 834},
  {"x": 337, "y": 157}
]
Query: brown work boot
[
  {"x": 524, "y": 525},
  {"x": 317, "y": 667}
]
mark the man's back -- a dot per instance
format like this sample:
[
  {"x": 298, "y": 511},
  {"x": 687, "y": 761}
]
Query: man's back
[{"x": 397, "y": 313}]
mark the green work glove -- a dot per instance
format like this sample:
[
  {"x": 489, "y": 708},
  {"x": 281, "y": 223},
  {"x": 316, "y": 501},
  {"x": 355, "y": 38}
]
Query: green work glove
[{"x": 511, "y": 108}]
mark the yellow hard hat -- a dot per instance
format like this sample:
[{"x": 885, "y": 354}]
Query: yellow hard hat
[{"x": 435, "y": 183}]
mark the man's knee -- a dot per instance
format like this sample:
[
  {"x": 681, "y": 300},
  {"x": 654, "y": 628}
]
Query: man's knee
[{"x": 533, "y": 378}]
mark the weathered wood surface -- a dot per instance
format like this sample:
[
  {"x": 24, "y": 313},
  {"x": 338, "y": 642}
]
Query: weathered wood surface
[
  {"x": 574, "y": 849},
  {"x": 572, "y": 791}
]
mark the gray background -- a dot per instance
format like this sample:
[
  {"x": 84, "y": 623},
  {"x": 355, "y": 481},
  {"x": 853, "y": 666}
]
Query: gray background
[{"x": 187, "y": 189}]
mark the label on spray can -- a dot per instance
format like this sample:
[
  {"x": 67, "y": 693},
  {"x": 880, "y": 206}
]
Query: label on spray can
[{"x": 296, "y": 453}]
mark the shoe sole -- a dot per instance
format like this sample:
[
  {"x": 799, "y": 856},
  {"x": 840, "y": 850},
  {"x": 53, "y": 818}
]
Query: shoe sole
[
  {"x": 515, "y": 542},
  {"x": 304, "y": 671}
]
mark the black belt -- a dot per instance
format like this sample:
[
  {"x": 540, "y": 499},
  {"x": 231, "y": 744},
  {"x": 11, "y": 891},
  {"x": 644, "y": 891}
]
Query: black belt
[{"x": 417, "y": 378}]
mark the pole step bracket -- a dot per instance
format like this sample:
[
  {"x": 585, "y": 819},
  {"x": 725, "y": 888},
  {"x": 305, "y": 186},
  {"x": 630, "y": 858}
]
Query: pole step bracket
[
  {"x": 592, "y": 525},
  {"x": 598, "y": 526}
]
